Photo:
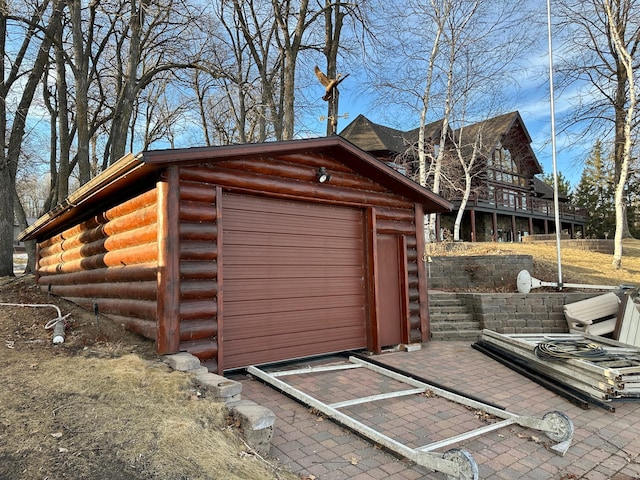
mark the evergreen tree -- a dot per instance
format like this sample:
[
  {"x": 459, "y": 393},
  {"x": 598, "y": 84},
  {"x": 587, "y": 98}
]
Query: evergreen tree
[
  {"x": 633, "y": 204},
  {"x": 595, "y": 193},
  {"x": 564, "y": 186}
]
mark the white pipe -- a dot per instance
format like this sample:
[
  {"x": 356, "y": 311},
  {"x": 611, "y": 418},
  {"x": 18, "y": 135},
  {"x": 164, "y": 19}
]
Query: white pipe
[{"x": 57, "y": 323}]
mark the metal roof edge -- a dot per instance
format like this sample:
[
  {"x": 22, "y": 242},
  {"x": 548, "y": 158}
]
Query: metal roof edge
[
  {"x": 152, "y": 160},
  {"x": 121, "y": 168},
  {"x": 408, "y": 188}
]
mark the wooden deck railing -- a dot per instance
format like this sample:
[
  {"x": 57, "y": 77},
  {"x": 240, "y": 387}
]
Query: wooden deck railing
[{"x": 532, "y": 205}]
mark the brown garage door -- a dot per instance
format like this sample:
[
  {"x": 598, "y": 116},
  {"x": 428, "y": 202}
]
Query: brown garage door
[{"x": 293, "y": 280}]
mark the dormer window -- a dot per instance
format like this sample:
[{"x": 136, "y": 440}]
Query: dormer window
[{"x": 502, "y": 159}]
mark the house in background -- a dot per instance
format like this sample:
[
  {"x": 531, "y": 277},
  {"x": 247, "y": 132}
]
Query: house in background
[
  {"x": 18, "y": 246},
  {"x": 246, "y": 254},
  {"x": 507, "y": 200}
]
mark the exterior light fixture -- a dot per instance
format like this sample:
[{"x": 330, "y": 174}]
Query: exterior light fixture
[{"x": 322, "y": 175}]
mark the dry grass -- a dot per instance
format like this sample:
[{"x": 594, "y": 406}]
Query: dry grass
[
  {"x": 102, "y": 406},
  {"x": 578, "y": 266}
]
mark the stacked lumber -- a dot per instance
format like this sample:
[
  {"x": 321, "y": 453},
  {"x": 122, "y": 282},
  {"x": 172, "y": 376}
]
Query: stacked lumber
[{"x": 589, "y": 368}]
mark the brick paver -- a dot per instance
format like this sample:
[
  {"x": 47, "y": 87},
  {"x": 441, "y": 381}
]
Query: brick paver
[{"x": 605, "y": 444}]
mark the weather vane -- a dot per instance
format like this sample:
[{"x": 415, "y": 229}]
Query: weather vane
[{"x": 331, "y": 95}]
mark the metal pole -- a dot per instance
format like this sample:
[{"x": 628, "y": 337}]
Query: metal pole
[{"x": 553, "y": 149}]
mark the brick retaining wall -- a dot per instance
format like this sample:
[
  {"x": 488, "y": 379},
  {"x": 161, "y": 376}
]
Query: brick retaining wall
[
  {"x": 493, "y": 272},
  {"x": 592, "y": 245},
  {"x": 539, "y": 311},
  {"x": 522, "y": 313}
]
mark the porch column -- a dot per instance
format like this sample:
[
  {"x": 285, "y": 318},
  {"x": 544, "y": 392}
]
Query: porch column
[
  {"x": 546, "y": 227},
  {"x": 530, "y": 226},
  {"x": 472, "y": 215},
  {"x": 494, "y": 226},
  {"x": 513, "y": 228}
]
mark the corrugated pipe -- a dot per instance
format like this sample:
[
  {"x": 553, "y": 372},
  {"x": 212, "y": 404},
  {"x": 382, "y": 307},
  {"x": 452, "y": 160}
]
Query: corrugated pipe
[{"x": 58, "y": 323}]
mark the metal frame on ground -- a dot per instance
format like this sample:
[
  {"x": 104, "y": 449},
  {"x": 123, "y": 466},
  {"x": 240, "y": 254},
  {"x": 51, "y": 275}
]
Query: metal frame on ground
[{"x": 454, "y": 463}]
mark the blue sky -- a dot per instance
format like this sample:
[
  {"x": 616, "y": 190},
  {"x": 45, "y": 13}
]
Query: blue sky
[
  {"x": 529, "y": 94},
  {"x": 533, "y": 105}
]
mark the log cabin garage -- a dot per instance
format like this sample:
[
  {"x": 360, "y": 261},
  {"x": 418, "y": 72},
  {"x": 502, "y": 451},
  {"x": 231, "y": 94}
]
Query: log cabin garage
[{"x": 246, "y": 254}]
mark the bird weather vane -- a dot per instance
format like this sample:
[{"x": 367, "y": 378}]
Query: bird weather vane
[{"x": 331, "y": 95}]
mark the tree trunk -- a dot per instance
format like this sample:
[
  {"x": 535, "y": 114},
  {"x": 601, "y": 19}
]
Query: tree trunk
[
  {"x": 11, "y": 153},
  {"x": 625, "y": 63},
  {"x": 127, "y": 96},
  {"x": 64, "y": 170},
  {"x": 81, "y": 76}
]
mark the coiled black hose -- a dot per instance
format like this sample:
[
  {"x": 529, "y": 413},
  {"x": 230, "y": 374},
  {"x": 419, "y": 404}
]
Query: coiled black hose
[{"x": 565, "y": 349}]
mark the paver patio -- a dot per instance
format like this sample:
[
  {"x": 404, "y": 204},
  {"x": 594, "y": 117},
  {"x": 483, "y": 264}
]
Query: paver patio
[{"x": 605, "y": 444}]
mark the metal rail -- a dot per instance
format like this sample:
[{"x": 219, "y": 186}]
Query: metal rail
[{"x": 456, "y": 464}]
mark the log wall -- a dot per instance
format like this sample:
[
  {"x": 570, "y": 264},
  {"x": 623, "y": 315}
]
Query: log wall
[
  {"x": 198, "y": 216},
  {"x": 290, "y": 177},
  {"x": 151, "y": 262},
  {"x": 109, "y": 260}
]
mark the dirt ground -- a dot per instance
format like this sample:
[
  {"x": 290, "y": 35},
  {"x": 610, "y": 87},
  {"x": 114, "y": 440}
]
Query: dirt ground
[{"x": 102, "y": 405}]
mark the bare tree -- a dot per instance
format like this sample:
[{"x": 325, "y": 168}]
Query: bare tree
[
  {"x": 451, "y": 52},
  {"x": 597, "y": 62},
  {"x": 21, "y": 76},
  {"x": 625, "y": 51},
  {"x": 157, "y": 37}
]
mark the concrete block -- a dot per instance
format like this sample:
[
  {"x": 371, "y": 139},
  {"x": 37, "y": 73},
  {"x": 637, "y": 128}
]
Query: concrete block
[
  {"x": 182, "y": 362},
  {"x": 199, "y": 370},
  {"x": 218, "y": 387},
  {"x": 239, "y": 403},
  {"x": 256, "y": 423}
]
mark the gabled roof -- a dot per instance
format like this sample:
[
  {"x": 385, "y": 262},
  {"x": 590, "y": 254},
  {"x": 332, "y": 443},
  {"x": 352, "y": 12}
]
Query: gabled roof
[
  {"x": 494, "y": 130},
  {"x": 133, "y": 172},
  {"x": 542, "y": 190},
  {"x": 373, "y": 137}
]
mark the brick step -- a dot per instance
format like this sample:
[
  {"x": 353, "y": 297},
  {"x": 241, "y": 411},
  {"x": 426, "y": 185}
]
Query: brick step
[
  {"x": 448, "y": 309},
  {"x": 437, "y": 317},
  {"x": 445, "y": 302},
  {"x": 457, "y": 326},
  {"x": 452, "y": 335}
]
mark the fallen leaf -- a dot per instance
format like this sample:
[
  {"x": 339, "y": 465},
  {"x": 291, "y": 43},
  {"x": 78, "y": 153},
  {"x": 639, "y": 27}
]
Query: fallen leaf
[
  {"x": 56, "y": 434},
  {"x": 63, "y": 450},
  {"x": 428, "y": 394},
  {"x": 354, "y": 461}
]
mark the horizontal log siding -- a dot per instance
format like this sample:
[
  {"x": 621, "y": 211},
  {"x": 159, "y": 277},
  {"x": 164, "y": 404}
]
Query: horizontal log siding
[
  {"x": 401, "y": 222},
  {"x": 109, "y": 260},
  {"x": 291, "y": 177},
  {"x": 198, "y": 270}
]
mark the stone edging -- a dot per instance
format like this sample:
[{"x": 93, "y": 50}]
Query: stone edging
[{"x": 256, "y": 421}]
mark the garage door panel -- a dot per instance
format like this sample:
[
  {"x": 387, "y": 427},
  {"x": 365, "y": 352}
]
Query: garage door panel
[
  {"x": 259, "y": 239},
  {"x": 283, "y": 288},
  {"x": 289, "y": 256},
  {"x": 248, "y": 357},
  {"x": 344, "y": 338},
  {"x": 293, "y": 279},
  {"x": 276, "y": 307},
  {"x": 269, "y": 222},
  {"x": 264, "y": 325},
  {"x": 268, "y": 271}
]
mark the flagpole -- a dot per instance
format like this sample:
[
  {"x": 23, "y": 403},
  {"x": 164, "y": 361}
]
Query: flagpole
[{"x": 553, "y": 149}]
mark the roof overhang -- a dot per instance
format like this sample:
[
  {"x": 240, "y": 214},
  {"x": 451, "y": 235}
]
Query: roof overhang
[{"x": 130, "y": 170}]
